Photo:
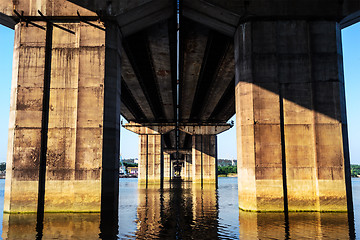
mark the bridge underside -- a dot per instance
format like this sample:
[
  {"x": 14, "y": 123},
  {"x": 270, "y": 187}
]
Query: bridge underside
[{"x": 177, "y": 74}]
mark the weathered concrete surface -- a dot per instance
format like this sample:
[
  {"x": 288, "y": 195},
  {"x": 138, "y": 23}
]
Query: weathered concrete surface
[
  {"x": 194, "y": 45},
  {"x": 150, "y": 166},
  {"x": 204, "y": 155},
  {"x": 149, "y": 129},
  {"x": 321, "y": 9},
  {"x": 167, "y": 167},
  {"x": 78, "y": 131},
  {"x": 24, "y": 144},
  {"x": 199, "y": 129},
  {"x": 53, "y": 8},
  {"x": 290, "y": 116},
  {"x": 71, "y": 168},
  {"x": 187, "y": 175},
  {"x": 113, "y": 7}
]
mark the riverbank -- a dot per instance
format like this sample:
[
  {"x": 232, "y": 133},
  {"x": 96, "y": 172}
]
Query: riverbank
[{"x": 228, "y": 175}]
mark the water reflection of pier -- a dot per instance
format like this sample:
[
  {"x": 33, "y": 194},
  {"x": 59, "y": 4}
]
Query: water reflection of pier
[
  {"x": 181, "y": 210},
  {"x": 56, "y": 226},
  {"x": 311, "y": 225}
]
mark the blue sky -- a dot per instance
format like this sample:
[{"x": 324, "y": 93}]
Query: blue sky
[{"x": 226, "y": 140}]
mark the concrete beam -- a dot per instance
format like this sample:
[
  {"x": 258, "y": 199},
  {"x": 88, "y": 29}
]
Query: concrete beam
[
  {"x": 55, "y": 8},
  {"x": 149, "y": 129},
  {"x": 217, "y": 47},
  {"x": 111, "y": 8},
  {"x": 214, "y": 17},
  {"x": 306, "y": 9},
  {"x": 125, "y": 112},
  {"x": 181, "y": 151},
  {"x": 7, "y": 21},
  {"x": 205, "y": 129},
  {"x": 144, "y": 16},
  {"x": 221, "y": 83},
  {"x": 350, "y": 19},
  {"x": 159, "y": 46},
  {"x": 193, "y": 41},
  {"x": 134, "y": 87},
  {"x": 225, "y": 107}
]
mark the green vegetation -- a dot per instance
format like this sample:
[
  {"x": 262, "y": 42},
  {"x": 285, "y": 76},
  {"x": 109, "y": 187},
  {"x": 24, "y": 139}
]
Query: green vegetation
[
  {"x": 2, "y": 166},
  {"x": 224, "y": 171},
  {"x": 130, "y": 164},
  {"x": 355, "y": 170}
]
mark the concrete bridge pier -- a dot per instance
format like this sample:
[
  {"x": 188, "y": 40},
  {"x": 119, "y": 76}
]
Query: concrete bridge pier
[
  {"x": 204, "y": 150},
  {"x": 151, "y": 164},
  {"x": 291, "y": 117},
  {"x": 188, "y": 168},
  {"x": 64, "y": 127},
  {"x": 167, "y": 166},
  {"x": 204, "y": 158},
  {"x": 186, "y": 163},
  {"x": 154, "y": 164}
]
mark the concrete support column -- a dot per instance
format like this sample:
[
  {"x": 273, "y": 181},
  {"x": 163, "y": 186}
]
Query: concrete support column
[
  {"x": 183, "y": 169},
  {"x": 151, "y": 165},
  {"x": 167, "y": 167},
  {"x": 187, "y": 168},
  {"x": 291, "y": 117},
  {"x": 83, "y": 129},
  {"x": 204, "y": 158},
  {"x": 24, "y": 142}
]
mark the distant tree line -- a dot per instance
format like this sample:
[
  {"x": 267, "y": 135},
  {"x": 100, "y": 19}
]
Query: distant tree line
[
  {"x": 225, "y": 170},
  {"x": 130, "y": 164},
  {"x": 2, "y": 166},
  {"x": 222, "y": 170},
  {"x": 355, "y": 170}
]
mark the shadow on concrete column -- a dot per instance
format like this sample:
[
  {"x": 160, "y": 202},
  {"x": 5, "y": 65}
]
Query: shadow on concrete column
[
  {"x": 291, "y": 118},
  {"x": 111, "y": 134},
  {"x": 151, "y": 165},
  {"x": 204, "y": 159}
]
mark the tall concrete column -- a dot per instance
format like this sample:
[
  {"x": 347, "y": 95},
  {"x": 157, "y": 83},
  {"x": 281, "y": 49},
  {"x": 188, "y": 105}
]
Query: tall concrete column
[
  {"x": 83, "y": 131},
  {"x": 167, "y": 167},
  {"x": 291, "y": 117},
  {"x": 204, "y": 158},
  {"x": 24, "y": 141},
  {"x": 151, "y": 152},
  {"x": 187, "y": 168},
  {"x": 151, "y": 165}
]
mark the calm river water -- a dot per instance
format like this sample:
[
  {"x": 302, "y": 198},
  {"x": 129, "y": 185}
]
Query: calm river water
[{"x": 182, "y": 211}]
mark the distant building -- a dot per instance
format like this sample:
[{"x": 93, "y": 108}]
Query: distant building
[
  {"x": 227, "y": 162},
  {"x": 122, "y": 170},
  {"x": 133, "y": 170},
  {"x": 131, "y": 160}
]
